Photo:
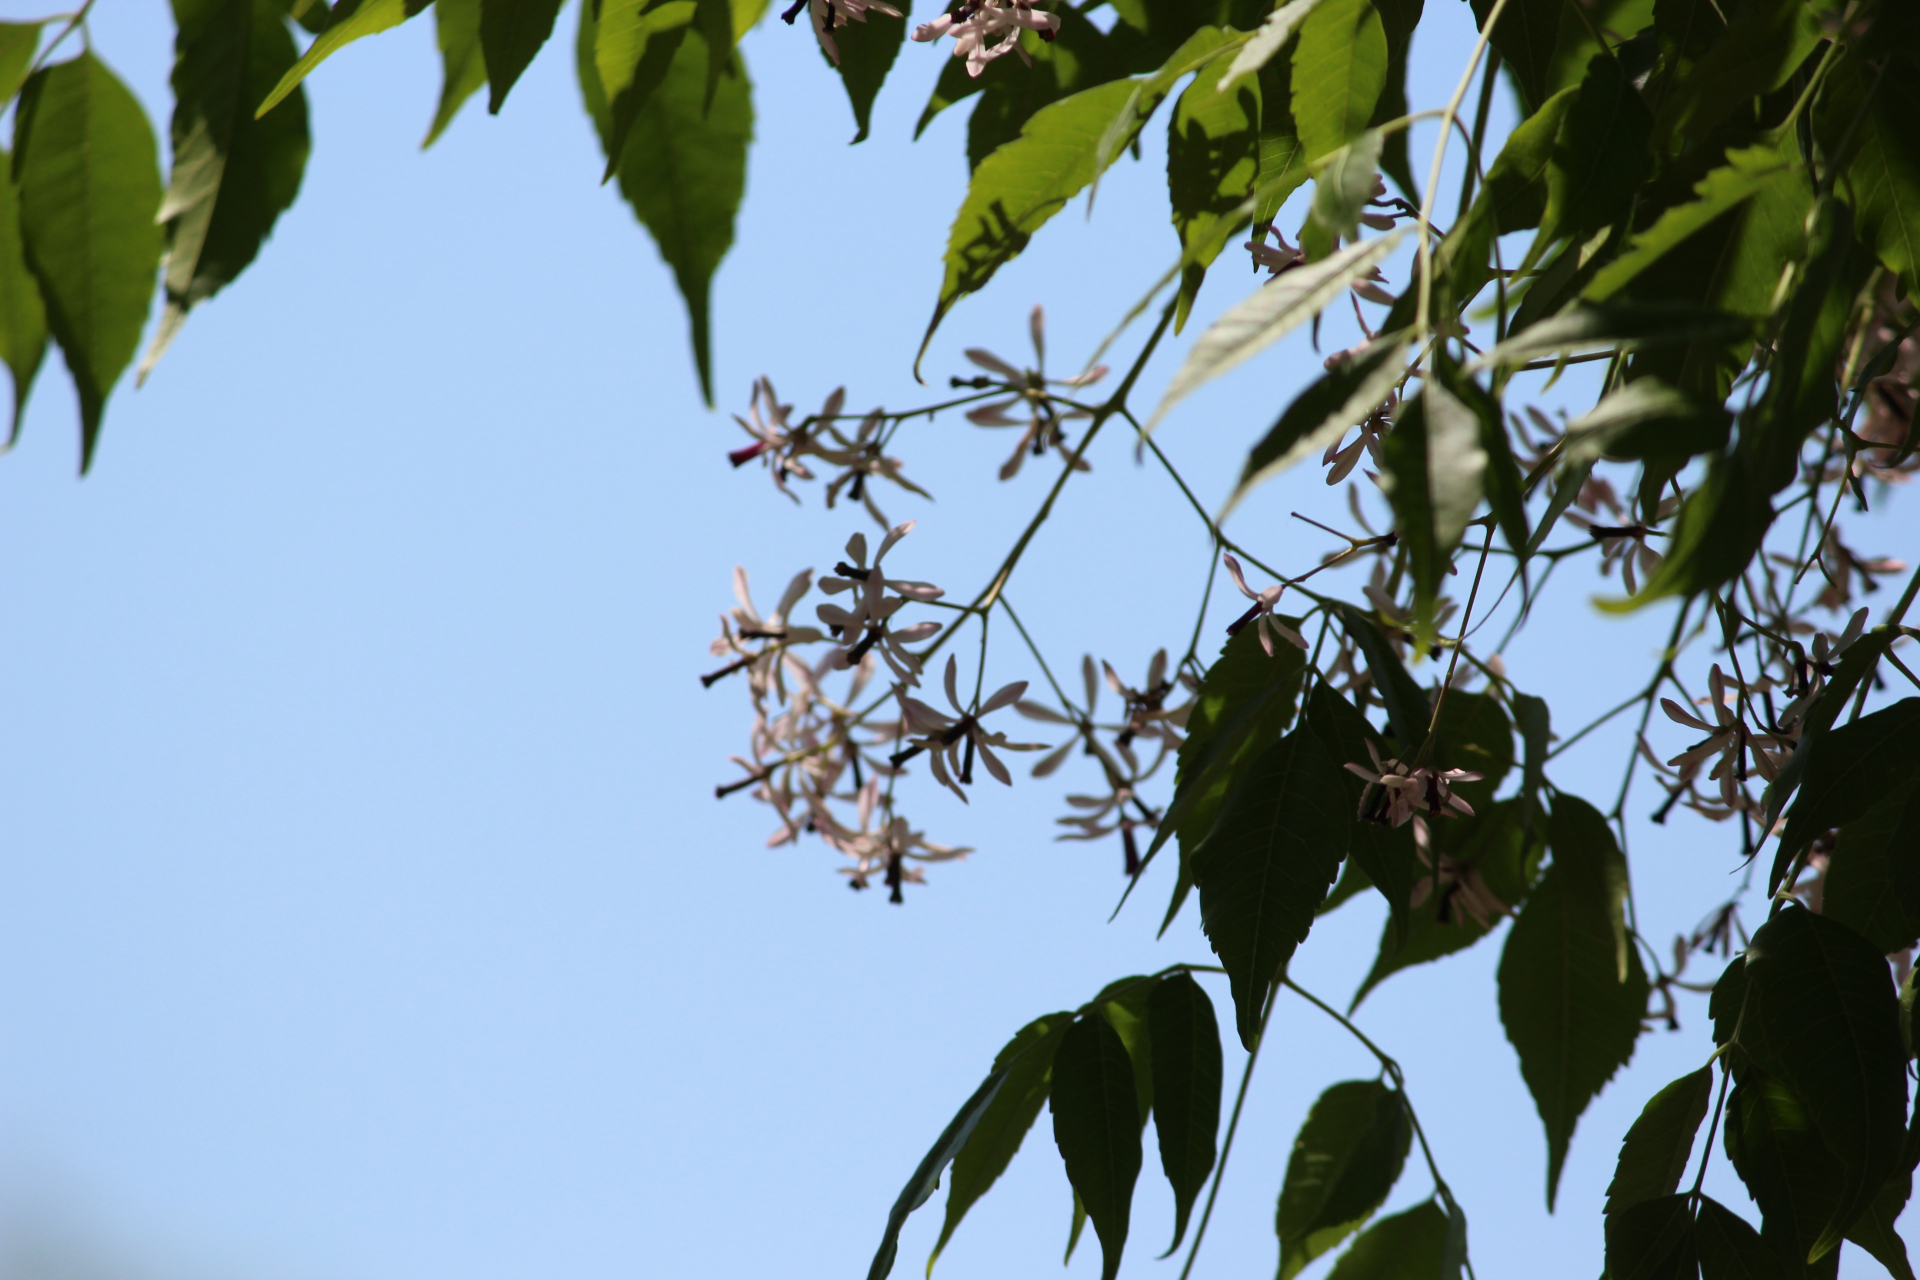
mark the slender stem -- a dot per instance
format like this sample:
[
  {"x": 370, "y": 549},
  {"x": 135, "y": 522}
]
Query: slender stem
[
  {"x": 1233, "y": 1127},
  {"x": 75, "y": 19},
  {"x": 1433, "y": 171}
]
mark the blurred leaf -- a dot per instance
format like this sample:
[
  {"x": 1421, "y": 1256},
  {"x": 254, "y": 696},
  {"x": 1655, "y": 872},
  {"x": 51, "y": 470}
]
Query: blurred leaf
[
  {"x": 1504, "y": 484},
  {"x": 1599, "y": 158},
  {"x": 233, "y": 175},
  {"x": 1759, "y": 50},
  {"x": 1474, "y": 733},
  {"x": 1379, "y": 856},
  {"x": 1627, "y": 327},
  {"x": 1269, "y": 314},
  {"x": 1525, "y": 35},
  {"x": 1274, "y": 34},
  {"x": 1267, "y": 864},
  {"x": 1435, "y": 468},
  {"x": 1095, "y": 1124},
  {"x": 631, "y": 45},
  {"x": 1745, "y": 173},
  {"x": 1402, "y": 1246},
  {"x": 1572, "y": 990},
  {"x": 1777, "y": 1152},
  {"x": 1340, "y": 398},
  {"x": 1536, "y": 732},
  {"x": 1653, "y": 1240},
  {"x": 23, "y": 318},
  {"x": 1830, "y": 1024},
  {"x": 1213, "y": 165},
  {"x": 867, "y": 52},
  {"x": 1645, "y": 418},
  {"x": 1882, "y": 177},
  {"x": 1872, "y": 876},
  {"x": 1408, "y": 710},
  {"x": 18, "y": 40},
  {"x": 1339, "y": 69},
  {"x": 1025, "y": 1066},
  {"x": 463, "y": 67},
  {"x": 1346, "y": 1158},
  {"x": 1186, "y": 1100},
  {"x": 89, "y": 184},
  {"x": 1398, "y": 18},
  {"x": 927, "y": 1177},
  {"x": 1859, "y": 659},
  {"x": 1849, "y": 770},
  {"x": 1658, "y": 1145},
  {"x": 1729, "y": 1248},
  {"x": 351, "y": 20},
  {"x": 511, "y": 32},
  {"x": 1343, "y": 183}
]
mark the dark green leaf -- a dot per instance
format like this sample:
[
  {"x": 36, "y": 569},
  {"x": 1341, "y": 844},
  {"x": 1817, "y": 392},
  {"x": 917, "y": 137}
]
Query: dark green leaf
[
  {"x": 1402, "y": 1246},
  {"x": 1339, "y": 69},
  {"x": 1882, "y": 178},
  {"x": 1399, "y": 18},
  {"x": 463, "y": 68},
  {"x": 1213, "y": 165},
  {"x": 1504, "y": 484},
  {"x": 1340, "y": 398},
  {"x": 1572, "y": 990},
  {"x": 1599, "y": 158},
  {"x": 1186, "y": 1097},
  {"x": 1859, "y": 659},
  {"x": 1758, "y": 52},
  {"x": 23, "y": 319},
  {"x": 1408, "y": 711},
  {"x": 1626, "y": 327},
  {"x": 1346, "y": 1158},
  {"x": 1652, "y": 1241},
  {"x": 1283, "y": 159},
  {"x": 1729, "y": 1248},
  {"x": 1851, "y": 768},
  {"x": 351, "y": 20},
  {"x": 927, "y": 1177},
  {"x": 1727, "y": 1005},
  {"x": 1096, "y": 1126},
  {"x": 1435, "y": 468},
  {"x": 1536, "y": 732},
  {"x": 1831, "y": 1026},
  {"x": 1525, "y": 35},
  {"x": 1873, "y": 1230},
  {"x": 1659, "y": 1144},
  {"x": 1717, "y": 532},
  {"x": 866, "y": 53},
  {"x": 18, "y": 40},
  {"x": 1123, "y": 1003},
  {"x": 1377, "y": 855},
  {"x": 1777, "y": 1152},
  {"x": 1267, "y": 864},
  {"x": 1874, "y": 873},
  {"x": 511, "y": 32},
  {"x": 1648, "y": 418},
  {"x": 233, "y": 175},
  {"x": 89, "y": 186},
  {"x": 1475, "y": 734}
]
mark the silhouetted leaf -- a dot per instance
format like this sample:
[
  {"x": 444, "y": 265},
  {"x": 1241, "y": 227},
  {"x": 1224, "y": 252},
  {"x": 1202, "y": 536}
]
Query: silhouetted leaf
[
  {"x": 927, "y": 1177},
  {"x": 511, "y": 32},
  {"x": 1874, "y": 1229},
  {"x": 1095, "y": 1125},
  {"x": 1872, "y": 878},
  {"x": 1777, "y": 1152},
  {"x": 463, "y": 68},
  {"x": 1402, "y": 1246},
  {"x": 1882, "y": 177},
  {"x": 867, "y": 53},
  {"x": 1536, "y": 732},
  {"x": 1599, "y": 158},
  {"x": 1759, "y": 51},
  {"x": 1186, "y": 1098},
  {"x": 1860, "y": 658},
  {"x": 1659, "y": 1144},
  {"x": 1435, "y": 468},
  {"x": 1376, "y": 855},
  {"x": 1346, "y": 1158},
  {"x": 1653, "y": 1240},
  {"x": 1408, "y": 711},
  {"x": 1729, "y": 1248},
  {"x": 1850, "y": 769},
  {"x": 1626, "y": 327},
  {"x": 1340, "y": 398},
  {"x": 1647, "y": 417}
]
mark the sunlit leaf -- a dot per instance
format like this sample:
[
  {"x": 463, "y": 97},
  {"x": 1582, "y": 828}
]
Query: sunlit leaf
[
  {"x": 1339, "y": 68},
  {"x": 18, "y": 40},
  {"x": 463, "y": 68},
  {"x": 867, "y": 53},
  {"x": 1344, "y": 182},
  {"x": 23, "y": 318},
  {"x": 1096, "y": 1126},
  {"x": 1213, "y": 165},
  {"x": 1435, "y": 468},
  {"x": 1346, "y": 1158},
  {"x": 1268, "y": 40},
  {"x": 630, "y": 45},
  {"x": 351, "y": 20},
  {"x": 1745, "y": 174}
]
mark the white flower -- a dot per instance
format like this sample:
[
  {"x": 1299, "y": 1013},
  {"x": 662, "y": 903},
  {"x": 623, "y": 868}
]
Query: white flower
[
  {"x": 1398, "y": 792},
  {"x": 1263, "y": 602},
  {"x": 1042, "y": 418},
  {"x": 861, "y": 455},
  {"x": 830, "y": 15},
  {"x": 865, "y": 627},
  {"x": 977, "y": 23},
  {"x": 951, "y": 741}
]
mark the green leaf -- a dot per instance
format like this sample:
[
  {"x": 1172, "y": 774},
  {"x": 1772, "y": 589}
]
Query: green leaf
[
  {"x": 684, "y": 169},
  {"x": 1268, "y": 40},
  {"x": 1874, "y": 1229},
  {"x": 1758, "y": 52},
  {"x": 1851, "y": 768},
  {"x": 1025, "y": 1066},
  {"x": 1186, "y": 1097},
  {"x": 1399, "y": 18},
  {"x": 1525, "y": 35},
  {"x": 1536, "y": 733},
  {"x": 1096, "y": 1126},
  {"x": 1504, "y": 484},
  {"x": 1340, "y": 398},
  {"x": 89, "y": 184},
  {"x": 463, "y": 66},
  {"x": 1729, "y": 1248},
  {"x": 1572, "y": 990},
  {"x": 18, "y": 40},
  {"x": 1830, "y": 1026},
  {"x": 511, "y": 32},
  {"x": 351, "y": 20},
  {"x": 1345, "y": 1160},
  {"x": 1874, "y": 873},
  {"x": 1123, "y": 1003},
  {"x": 927, "y": 1177},
  {"x": 1777, "y": 1152},
  {"x": 1652, "y": 1241},
  {"x": 1376, "y": 855},
  {"x": 1859, "y": 659},
  {"x": 1283, "y": 160},
  {"x": 1402, "y": 1246},
  {"x": 1648, "y": 418},
  {"x": 867, "y": 51},
  {"x": 1435, "y": 468},
  {"x": 1599, "y": 158},
  {"x": 1343, "y": 183},
  {"x": 233, "y": 175},
  {"x": 1658, "y": 1145},
  {"x": 1269, "y": 314},
  {"x": 23, "y": 318},
  {"x": 1408, "y": 710},
  {"x": 1339, "y": 69},
  {"x": 1718, "y": 529},
  {"x": 633, "y": 44},
  {"x": 1213, "y": 166},
  {"x": 1623, "y": 326},
  {"x": 1267, "y": 864},
  {"x": 1882, "y": 179}
]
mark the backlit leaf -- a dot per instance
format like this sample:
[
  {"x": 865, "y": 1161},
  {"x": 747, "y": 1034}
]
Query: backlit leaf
[
  {"x": 1339, "y": 399},
  {"x": 1525, "y": 35},
  {"x": 1186, "y": 1093},
  {"x": 1435, "y": 468},
  {"x": 1882, "y": 179},
  {"x": 1658, "y": 1145},
  {"x": 1379, "y": 856},
  {"x": 1851, "y": 768},
  {"x": 18, "y": 40},
  {"x": 23, "y": 319},
  {"x": 1402, "y": 1246},
  {"x": 1339, "y": 69},
  {"x": 511, "y": 32},
  {"x": 630, "y": 45},
  {"x": 1760, "y": 49},
  {"x": 1213, "y": 164},
  {"x": 1653, "y": 1240},
  {"x": 1096, "y": 1126},
  {"x": 1777, "y": 1152},
  {"x": 463, "y": 68},
  {"x": 1729, "y": 1248},
  {"x": 1346, "y": 1158},
  {"x": 351, "y": 20},
  {"x": 1872, "y": 877},
  {"x": 867, "y": 53},
  {"x": 927, "y": 1177}
]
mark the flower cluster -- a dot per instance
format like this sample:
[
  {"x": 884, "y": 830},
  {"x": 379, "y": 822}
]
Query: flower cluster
[
  {"x": 784, "y": 448},
  {"x": 983, "y": 30},
  {"x": 1030, "y": 406}
]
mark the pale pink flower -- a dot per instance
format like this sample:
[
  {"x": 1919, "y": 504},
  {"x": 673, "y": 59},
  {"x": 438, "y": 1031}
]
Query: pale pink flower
[
  {"x": 830, "y": 15},
  {"x": 866, "y": 626},
  {"x": 1031, "y": 407},
  {"x": 1263, "y": 602},
  {"x": 1398, "y": 792},
  {"x": 1728, "y": 738},
  {"x": 1461, "y": 888},
  {"x": 952, "y": 741},
  {"x": 976, "y": 25}
]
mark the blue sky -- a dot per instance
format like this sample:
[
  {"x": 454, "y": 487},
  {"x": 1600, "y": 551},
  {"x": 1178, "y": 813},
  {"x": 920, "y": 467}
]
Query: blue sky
[{"x": 365, "y": 910}]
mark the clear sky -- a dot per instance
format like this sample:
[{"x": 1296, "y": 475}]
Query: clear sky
[{"x": 365, "y": 910}]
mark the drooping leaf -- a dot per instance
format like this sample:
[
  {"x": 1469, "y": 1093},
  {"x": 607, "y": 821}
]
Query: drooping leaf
[
  {"x": 1025, "y": 1066},
  {"x": 1474, "y": 733},
  {"x": 1851, "y": 768},
  {"x": 23, "y": 318},
  {"x": 1729, "y": 1248},
  {"x": 1882, "y": 178},
  {"x": 1186, "y": 1097},
  {"x": 1758, "y": 52},
  {"x": 1398, "y": 18},
  {"x": 867, "y": 52},
  {"x": 1340, "y": 398},
  {"x": 1859, "y": 659},
  {"x": 1830, "y": 1024},
  {"x": 1653, "y": 1240},
  {"x": 1716, "y": 533},
  {"x": 927, "y": 1177},
  {"x": 1213, "y": 165},
  {"x": 233, "y": 175},
  {"x": 1269, "y": 314},
  {"x": 1502, "y": 480},
  {"x": 463, "y": 65},
  {"x": 1777, "y": 1152},
  {"x": 1403, "y": 1246},
  {"x": 630, "y": 46},
  {"x": 1525, "y": 34},
  {"x": 351, "y": 20},
  {"x": 1435, "y": 469},
  {"x": 1658, "y": 1145},
  {"x": 1096, "y": 1126},
  {"x": 1267, "y": 864},
  {"x": 1872, "y": 876},
  {"x": 1268, "y": 40},
  {"x": 511, "y": 32},
  {"x": 1123, "y": 1003},
  {"x": 1376, "y": 855},
  {"x": 18, "y": 40},
  {"x": 1648, "y": 418},
  {"x": 1408, "y": 710},
  {"x": 1746, "y": 173},
  {"x": 1572, "y": 990},
  {"x": 89, "y": 184},
  {"x": 1339, "y": 69},
  {"x": 1346, "y": 1158},
  {"x": 1343, "y": 183}
]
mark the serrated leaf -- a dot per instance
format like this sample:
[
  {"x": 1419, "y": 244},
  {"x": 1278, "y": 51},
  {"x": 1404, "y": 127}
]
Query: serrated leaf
[
  {"x": 1435, "y": 467},
  {"x": 1213, "y": 166},
  {"x": 1343, "y": 183},
  {"x": 1340, "y": 398},
  {"x": 89, "y": 181},
  {"x": 1123, "y": 1003},
  {"x": 1380, "y": 856},
  {"x": 511, "y": 33},
  {"x": 1187, "y": 1075},
  {"x": 1400, "y": 18},
  {"x": 1095, "y": 1125},
  {"x": 630, "y": 45},
  {"x": 1402, "y": 1246},
  {"x": 1874, "y": 873},
  {"x": 1026, "y": 1067},
  {"x": 1831, "y": 1025},
  {"x": 23, "y": 318},
  {"x": 1874, "y": 1229},
  {"x": 1346, "y": 1158},
  {"x": 1882, "y": 178},
  {"x": 1267, "y": 864},
  {"x": 927, "y": 1177},
  {"x": 1572, "y": 990},
  {"x": 1745, "y": 174},
  {"x": 1659, "y": 1144},
  {"x": 1652, "y": 1241},
  {"x": 1859, "y": 659},
  {"x": 867, "y": 52},
  {"x": 1850, "y": 769},
  {"x": 1729, "y": 1248},
  {"x": 463, "y": 67},
  {"x": 1269, "y": 39},
  {"x": 1776, "y": 1150},
  {"x": 1198, "y": 51},
  {"x": 351, "y": 20},
  {"x": 1269, "y": 314},
  {"x": 1503, "y": 482},
  {"x": 1718, "y": 529},
  {"x": 1339, "y": 69},
  {"x": 233, "y": 175},
  {"x": 1408, "y": 710}
]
